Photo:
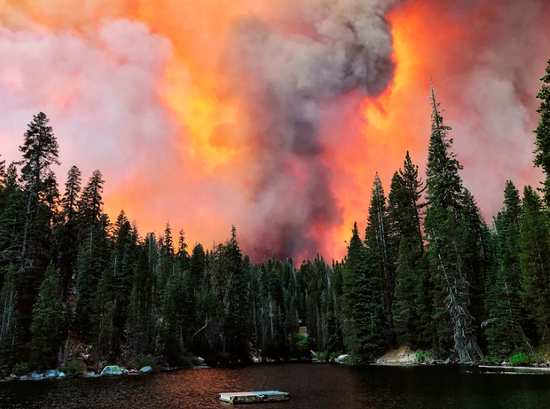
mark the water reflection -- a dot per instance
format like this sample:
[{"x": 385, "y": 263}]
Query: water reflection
[{"x": 312, "y": 386}]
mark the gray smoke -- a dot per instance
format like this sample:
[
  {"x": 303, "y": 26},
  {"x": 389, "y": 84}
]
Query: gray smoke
[{"x": 281, "y": 83}]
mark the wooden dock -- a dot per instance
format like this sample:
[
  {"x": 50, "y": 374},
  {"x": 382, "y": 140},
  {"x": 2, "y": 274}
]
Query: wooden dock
[{"x": 254, "y": 397}]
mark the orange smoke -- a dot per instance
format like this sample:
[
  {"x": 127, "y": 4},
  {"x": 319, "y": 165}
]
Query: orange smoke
[{"x": 199, "y": 178}]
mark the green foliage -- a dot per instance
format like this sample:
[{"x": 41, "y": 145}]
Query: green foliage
[
  {"x": 20, "y": 368},
  {"x": 453, "y": 229},
  {"x": 46, "y": 327},
  {"x": 323, "y": 356},
  {"x": 189, "y": 361},
  {"x": 535, "y": 262},
  {"x": 519, "y": 359},
  {"x": 353, "y": 360},
  {"x": 73, "y": 368},
  {"x": 302, "y": 343},
  {"x": 142, "y": 361},
  {"x": 542, "y": 142},
  {"x": 423, "y": 356},
  {"x": 333, "y": 356}
]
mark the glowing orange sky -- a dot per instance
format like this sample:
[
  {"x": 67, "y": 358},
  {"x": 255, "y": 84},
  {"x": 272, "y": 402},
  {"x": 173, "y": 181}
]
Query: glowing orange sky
[{"x": 197, "y": 176}]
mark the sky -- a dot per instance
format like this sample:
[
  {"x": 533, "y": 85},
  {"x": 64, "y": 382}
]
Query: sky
[{"x": 272, "y": 115}]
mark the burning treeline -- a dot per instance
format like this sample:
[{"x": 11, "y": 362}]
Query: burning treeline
[
  {"x": 276, "y": 128},
  {"x": 209, "y": 113},
  {"x": 427, "y": 273}
]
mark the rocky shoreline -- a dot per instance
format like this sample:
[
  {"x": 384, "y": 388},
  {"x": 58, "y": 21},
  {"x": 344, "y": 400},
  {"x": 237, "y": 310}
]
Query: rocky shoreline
[{"x": 108, "y": 371}]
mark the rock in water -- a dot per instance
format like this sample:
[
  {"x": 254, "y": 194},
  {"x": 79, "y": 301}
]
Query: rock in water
[
  {"x": 53, "y": 374},
  {"x": 146, "y": 369},
  {"x": 35, "y": 376},
  {"x": 111, "y": 370}
]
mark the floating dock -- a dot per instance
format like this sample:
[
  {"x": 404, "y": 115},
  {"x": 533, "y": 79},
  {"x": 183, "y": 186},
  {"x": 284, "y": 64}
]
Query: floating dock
[{"x": 254, "y": 397}]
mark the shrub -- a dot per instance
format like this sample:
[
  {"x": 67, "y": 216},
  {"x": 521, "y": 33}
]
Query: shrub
[
  {"x": 422, "y": 356},
  {"x": 142, "y": 361},
  {"x": 519, "y": 359},
  {"x": 322, "y": 356},
  {"x": 302, "y": 343},
  {"x": 352, "y": 360},
  {"x": 73, "y": 368},
  {"x": 132, "y": 364},
  {"x": 189, "y": 361},
  {"x": 333, "y": 356},
  {"x": 21, "y": 368}
]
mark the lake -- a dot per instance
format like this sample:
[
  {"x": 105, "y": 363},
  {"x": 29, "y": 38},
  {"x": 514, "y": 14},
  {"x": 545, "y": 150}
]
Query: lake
[{"x": 312, "y": 386}]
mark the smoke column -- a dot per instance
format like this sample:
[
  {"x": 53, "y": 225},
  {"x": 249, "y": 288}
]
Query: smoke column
[
  {"x": 281, "y": 83},
  {"x": 271, "y": 115}
]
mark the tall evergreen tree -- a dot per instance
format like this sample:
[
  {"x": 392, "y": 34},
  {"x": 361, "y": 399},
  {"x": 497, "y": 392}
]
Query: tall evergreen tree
[
  {"x": 141, "y": 326},
  {"x": 67, "y": 231},
  {"x": 10, "y": 328},
  {"x": 411, "y": 286},
  {"x": 503, "y": 328},
  {"x": 444, "y": 224},
  {"x": 93, "y": 259},
  {"x": 542, "y": 141},
  {"x": 535, "y": 262},
  {"x": 46, "y": 327},
  {"x": 382, "y": 254},
  {"x": 40, "y": 151},
  {"x": 365, "y": 331}
]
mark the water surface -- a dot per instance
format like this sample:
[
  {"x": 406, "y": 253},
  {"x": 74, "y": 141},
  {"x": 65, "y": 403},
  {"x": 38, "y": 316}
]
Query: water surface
[{"x": 312, "y": 386}]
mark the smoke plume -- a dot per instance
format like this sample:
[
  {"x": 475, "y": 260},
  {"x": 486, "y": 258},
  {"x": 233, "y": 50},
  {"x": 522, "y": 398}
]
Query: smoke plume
[
  {"x": 281, "y": 83},
  {"x": 272, "y": 115}
]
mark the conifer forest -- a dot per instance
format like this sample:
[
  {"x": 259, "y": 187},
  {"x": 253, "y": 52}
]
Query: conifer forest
[{"x": 428, "y": 272}]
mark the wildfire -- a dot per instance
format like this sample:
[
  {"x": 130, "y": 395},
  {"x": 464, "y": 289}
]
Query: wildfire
[{"x": 198, "y": 166}]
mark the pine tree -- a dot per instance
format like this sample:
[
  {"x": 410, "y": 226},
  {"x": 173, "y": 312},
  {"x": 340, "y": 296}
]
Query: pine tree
[
  {"x": 40, "y": 151},
  {"x": 404, "y": 203},
  {"x": 381, "y": 253},
  {"x": 33, "y": 244},
  {"x": 67, "y": 232},
  {"x": 405, "y": 317},
  {"x": 365, "y": 333},
  {"x": 140, "y": 325},
  {"x": 542, "y": 142},
  {"x": 103, "y": 317},
  {"x": 2, "y": 175},
  {"x": 411, "y": 286},
  {"x": 10, "y": 329},
  {"x": 123, "y": 259},
  {"x": 535, "y": 262},
  {"x": 90, "y": 205},
  {"x": 11, "y": 218},
  {"x": 444, "y": 225},
  {"x": 93, "y": 259},
  {"x": 46, "y": 327}
]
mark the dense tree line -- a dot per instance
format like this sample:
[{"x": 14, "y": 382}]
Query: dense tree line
[{"x": 428, "y": 272}]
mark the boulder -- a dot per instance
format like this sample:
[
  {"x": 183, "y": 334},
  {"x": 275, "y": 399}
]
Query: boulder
[
  {"x": 89, "y": 374},
  {"x": 51, "y": 374},
  {"x": 201, "y": 360},
  {"x": 146, "y": 369},
  {"x": 111, "y": 370},
  {"x": 36, "y": 376},
  {"x": 24, "y": 378}
]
